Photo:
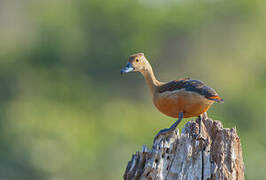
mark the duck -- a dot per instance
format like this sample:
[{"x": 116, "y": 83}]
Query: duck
[{"x": 182, "y": 98}]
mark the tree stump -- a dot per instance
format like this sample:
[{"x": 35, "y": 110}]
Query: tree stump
[{"x": 181, "y": 157}]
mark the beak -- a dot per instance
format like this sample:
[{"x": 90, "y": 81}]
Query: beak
[{"x": 127, "y": 68}]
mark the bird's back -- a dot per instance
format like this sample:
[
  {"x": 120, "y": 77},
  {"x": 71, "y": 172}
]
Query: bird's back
[
  {"x": 189, "y": 85},
  {"x": 192, "y": 97}
]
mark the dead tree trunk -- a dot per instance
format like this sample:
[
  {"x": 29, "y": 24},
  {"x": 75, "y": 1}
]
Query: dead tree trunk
[{"x": 181, "y": 157}]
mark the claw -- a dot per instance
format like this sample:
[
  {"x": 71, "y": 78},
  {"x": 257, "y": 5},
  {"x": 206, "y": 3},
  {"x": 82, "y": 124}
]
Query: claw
[
  {"x": 172, "y": 128},
  {"x": 164, "y": 132}
]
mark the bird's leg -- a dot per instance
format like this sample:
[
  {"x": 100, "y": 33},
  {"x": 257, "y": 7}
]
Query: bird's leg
[
  {"x": 199, "y": 135},
  {"x": 180, "y": 117},
  {"x": 172, "y": 128}
]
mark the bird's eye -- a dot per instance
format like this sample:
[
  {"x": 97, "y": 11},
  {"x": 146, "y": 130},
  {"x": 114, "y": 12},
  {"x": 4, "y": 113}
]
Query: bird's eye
[{"x": 137, "y": 60}]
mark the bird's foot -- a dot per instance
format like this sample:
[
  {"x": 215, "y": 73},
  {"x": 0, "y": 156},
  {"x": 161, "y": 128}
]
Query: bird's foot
[
  {"x": 170, "y": 130},
  {"x": 164, "y": 132}
]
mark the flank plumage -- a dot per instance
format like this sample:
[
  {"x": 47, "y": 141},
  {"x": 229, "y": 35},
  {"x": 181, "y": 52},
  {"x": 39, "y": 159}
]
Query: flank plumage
[{"x": 180, "y": 99}]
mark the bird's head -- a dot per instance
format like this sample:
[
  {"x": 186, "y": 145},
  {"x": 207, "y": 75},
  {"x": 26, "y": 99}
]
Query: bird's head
[{"x": 136, "y": 63}]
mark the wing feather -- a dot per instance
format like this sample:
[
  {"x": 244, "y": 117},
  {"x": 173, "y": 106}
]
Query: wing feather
[{"x": 192, "y": 86}]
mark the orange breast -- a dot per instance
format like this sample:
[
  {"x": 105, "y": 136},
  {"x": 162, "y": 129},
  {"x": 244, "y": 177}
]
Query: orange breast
[{"x": 190, "y": 103}]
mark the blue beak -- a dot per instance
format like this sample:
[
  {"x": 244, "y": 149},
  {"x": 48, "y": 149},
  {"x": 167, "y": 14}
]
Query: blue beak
[{"x": 127, "y": 68}]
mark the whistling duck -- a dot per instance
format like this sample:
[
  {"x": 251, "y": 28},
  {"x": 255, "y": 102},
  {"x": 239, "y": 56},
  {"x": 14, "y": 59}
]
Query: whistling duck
[{"x": 180, "y": 99}]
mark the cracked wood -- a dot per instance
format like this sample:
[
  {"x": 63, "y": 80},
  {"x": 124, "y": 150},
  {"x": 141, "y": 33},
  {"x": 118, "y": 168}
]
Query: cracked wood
[{"x": 180, "y": 157}]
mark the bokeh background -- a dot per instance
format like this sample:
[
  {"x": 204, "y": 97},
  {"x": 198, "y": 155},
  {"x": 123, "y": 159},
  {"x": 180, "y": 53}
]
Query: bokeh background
[{"x": 65, "y": 111}]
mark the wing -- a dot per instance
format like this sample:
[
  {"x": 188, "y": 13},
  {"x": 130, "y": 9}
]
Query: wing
[{"x": 192, "y": 86}]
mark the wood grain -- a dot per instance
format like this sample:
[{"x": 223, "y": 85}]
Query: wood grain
[{"x": 178, "y": 156}]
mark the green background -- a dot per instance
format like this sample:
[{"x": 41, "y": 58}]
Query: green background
[{"x": 65, "y": 111}]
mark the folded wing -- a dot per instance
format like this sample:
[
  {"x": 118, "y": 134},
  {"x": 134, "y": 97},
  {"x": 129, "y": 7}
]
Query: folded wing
[{"x": 192, "y": 86}]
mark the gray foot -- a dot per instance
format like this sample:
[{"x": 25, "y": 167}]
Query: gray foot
[
  {"x": 164, "y": 132},
  {"x": 172, "y": 128}
]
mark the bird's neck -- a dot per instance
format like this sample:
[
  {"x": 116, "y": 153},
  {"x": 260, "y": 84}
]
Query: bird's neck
[{"x": 150, "y": 79}]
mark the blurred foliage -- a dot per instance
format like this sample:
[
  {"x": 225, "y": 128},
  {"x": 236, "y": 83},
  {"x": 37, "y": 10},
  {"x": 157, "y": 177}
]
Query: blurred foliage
[{"x": 66, "y": 113}]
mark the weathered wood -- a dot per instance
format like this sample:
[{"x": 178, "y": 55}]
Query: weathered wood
[{"x": 182, "y": 157}]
